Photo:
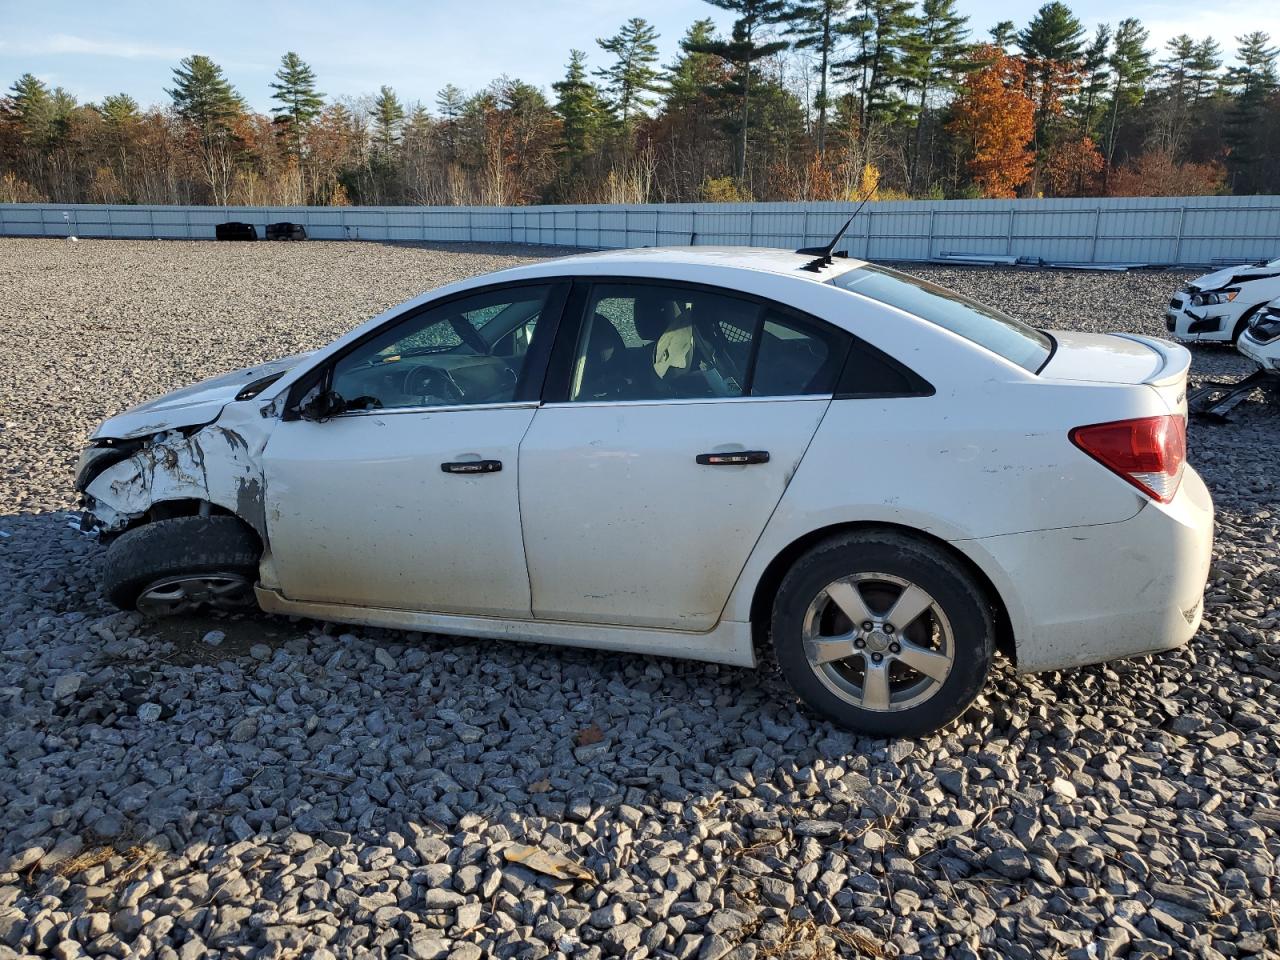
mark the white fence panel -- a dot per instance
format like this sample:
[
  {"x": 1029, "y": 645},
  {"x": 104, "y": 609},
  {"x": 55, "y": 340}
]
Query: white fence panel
[{"x": 1172, "y": 230}]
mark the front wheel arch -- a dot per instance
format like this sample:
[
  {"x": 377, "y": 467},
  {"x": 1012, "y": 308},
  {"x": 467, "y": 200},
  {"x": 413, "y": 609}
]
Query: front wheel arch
[
  {"x": 767, "y": 586},
  {"x": 1243, "y": 323}
]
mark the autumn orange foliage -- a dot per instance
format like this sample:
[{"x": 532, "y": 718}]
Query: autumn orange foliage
[
  {"x": 1157, "y": 173},
  {"x": 1073, "y": 168},
  {"x": 997, "y": 118}
]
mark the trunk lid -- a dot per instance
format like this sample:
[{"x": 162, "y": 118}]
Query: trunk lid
[{"x": 1122, "y": 358}]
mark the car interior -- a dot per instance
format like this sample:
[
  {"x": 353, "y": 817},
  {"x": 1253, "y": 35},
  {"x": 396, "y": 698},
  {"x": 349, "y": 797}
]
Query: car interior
[
  {"x": 671, "y": 343},
  {"x": 461, "y": 356}
]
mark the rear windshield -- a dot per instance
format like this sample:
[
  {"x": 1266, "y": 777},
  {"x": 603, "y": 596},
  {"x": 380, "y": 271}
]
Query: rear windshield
[{"x": 985, "y": 326}]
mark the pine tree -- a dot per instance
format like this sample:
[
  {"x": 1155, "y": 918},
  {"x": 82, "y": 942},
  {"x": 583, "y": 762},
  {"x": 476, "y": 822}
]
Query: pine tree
[
  {"x": 452, "y": 103},
  {"x": 1253, "y": 85},
  {"x": 1204, "y": 69},
  {"x": 203, "y": 97},
  {"x": 694, "y": 73},
  {"x": 118, "y": 109},
  {"x": 743, "y": 50},
  {"x": 1130, "y": 63},
  {"x": 388, "y": 117},
  {"x": 1051, "y": 45},
  {"x": 581, "y": 111},
  {"x": 935, "y": 59},
  {"x": 300, "y": 101},
  {"x": 1003, "y": 34},
  {"x": 209, "y": 106},
  {"x": 1093, "y": 66},
  {"x": 633, "y": 75},
  {"x": 881, "y": 31},
  {"x": 30, "y": 108},
  {"x": 813, "y": 24}
]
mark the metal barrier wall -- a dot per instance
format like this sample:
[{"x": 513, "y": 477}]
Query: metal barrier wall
[{"x": 1181, "y": 230}]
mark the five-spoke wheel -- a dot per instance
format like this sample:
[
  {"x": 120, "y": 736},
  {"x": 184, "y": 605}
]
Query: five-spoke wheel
[{"x": 883, "y": 632}]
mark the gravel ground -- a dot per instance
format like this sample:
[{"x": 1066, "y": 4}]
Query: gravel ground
[{"x": 272, "y": 788}]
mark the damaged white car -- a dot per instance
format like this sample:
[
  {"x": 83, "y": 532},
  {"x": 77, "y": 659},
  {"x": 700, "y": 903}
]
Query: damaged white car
[
  {"x": 688, "y": 452},
  {"x": 1261, "y": 341},
  {"x": 1218, "y": 306}
]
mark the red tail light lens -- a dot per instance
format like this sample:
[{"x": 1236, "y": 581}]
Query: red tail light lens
[{"x": 1149, "y": 452}]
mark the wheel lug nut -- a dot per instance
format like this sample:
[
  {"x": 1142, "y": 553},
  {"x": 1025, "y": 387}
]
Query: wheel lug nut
[
  {"x": 888, "y": 628},
  {"x": 876, "y": 657},
  {"x": 894, "y": 648},
  {"x": 859, "y": 643},
  {"x": 868, "y": 626}
]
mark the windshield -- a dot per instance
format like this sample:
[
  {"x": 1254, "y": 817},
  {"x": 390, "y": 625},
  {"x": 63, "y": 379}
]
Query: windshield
[{"x": 985, "y": 326}]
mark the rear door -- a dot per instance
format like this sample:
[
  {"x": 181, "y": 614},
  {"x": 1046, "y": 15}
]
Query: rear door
[{"x": 675, "y": 417}]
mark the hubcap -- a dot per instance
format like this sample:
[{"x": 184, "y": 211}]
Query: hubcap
[
  {"x": 215, "y": 591},
  {"x": 878, "y": 642}
]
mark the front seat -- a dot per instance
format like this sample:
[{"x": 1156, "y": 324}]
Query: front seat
[{"x": 601, "y": 373}]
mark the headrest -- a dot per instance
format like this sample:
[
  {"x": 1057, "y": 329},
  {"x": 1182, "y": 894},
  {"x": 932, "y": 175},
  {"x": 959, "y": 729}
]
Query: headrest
[
  {"x": 604, "y": 337},
  {"x": 654, "y": 314}
]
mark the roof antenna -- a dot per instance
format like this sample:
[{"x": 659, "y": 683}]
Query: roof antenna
[{"x": 825, "y": 254}]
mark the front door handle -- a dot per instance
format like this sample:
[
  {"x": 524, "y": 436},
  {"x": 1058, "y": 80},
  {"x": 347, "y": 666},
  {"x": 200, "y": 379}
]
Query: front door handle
[
  {"x": 472, "y": 466},
  {"x": 733, "y": 458}
]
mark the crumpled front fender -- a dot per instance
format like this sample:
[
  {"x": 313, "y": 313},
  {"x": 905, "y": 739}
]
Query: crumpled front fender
[{"x": 220, "y": 463}]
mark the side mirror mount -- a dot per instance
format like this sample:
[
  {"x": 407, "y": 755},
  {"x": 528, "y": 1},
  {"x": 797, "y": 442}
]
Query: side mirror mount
[{"x": 322, "y": 406}]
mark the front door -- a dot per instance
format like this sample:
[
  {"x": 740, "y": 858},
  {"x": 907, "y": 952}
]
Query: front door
[
  {"x": 682, "y": 415},
  {"x": 408, "y": 497}
]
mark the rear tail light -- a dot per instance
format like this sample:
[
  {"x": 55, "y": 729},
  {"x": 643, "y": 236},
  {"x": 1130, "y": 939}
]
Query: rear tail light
[{"x": 1149, "y": 452}]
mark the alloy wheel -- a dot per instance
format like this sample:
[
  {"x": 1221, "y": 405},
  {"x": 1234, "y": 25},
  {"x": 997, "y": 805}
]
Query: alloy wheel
[
  {"x": 879, "y": 642},
  {"x": 184, "y": 594}
]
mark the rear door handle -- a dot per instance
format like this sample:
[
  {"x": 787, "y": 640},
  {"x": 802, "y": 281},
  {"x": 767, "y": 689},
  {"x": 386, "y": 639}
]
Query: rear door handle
[
  {"x": 472, "y": 466},
  {"x": 733, "y": 458}
]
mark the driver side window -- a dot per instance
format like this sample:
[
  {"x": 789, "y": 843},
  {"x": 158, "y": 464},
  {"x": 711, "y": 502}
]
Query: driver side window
[{"x": 469, "y": 350}]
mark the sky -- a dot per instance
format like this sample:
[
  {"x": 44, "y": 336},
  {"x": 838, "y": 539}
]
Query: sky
[{"x": 417, "y": 46}]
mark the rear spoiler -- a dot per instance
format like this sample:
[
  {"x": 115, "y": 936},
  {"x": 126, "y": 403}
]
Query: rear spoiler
[{"x": 1176, "y": 359}]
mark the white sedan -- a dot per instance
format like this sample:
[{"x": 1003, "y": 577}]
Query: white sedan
[
  {"x": 696, "y": 452},
  {"x": 1219, "y": 306}
]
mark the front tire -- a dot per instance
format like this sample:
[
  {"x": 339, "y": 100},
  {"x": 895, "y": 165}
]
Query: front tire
[
  {"x": 883, "y": 633},
  {"x": 182, "y": 565}
]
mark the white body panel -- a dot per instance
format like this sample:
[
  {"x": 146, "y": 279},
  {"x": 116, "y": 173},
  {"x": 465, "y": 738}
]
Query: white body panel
[
  {"x": 360, "y": 512},
  {"x": 1219, "y": 323},
  {"x": 1265, "y": 354},
  {"x": 622, "y": 526},
  {"x": 631, "y": 546}
]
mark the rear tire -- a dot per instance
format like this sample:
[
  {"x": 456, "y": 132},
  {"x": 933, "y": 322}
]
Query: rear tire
[
  {"x": 837, "y": 644},
  {"x": 180, "y": 565}
]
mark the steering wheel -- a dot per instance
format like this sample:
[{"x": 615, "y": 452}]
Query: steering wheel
[{"x": 427, "y": 382}]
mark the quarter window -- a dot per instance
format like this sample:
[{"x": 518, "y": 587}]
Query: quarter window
[
  {"x": 657, "y": 342},
  {"x": 468, "y": 350}
]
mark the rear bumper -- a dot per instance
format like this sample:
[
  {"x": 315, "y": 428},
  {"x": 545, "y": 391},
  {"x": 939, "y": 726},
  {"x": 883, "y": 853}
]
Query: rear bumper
[{"x": 1088, "y": 594}]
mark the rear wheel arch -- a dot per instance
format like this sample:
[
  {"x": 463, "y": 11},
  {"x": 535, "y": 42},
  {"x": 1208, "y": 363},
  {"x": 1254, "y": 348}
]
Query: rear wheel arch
[{"x": 766, "y": 588}]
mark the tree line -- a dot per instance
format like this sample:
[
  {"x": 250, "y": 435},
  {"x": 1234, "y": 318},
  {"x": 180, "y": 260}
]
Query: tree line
[{"x": 800, "y": 100}]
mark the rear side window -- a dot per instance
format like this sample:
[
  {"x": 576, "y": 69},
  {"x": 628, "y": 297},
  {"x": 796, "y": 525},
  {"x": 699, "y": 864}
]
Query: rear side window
[
  {"x": 986, "y": 326},
  {"x": 667, "y": 342},
  {"x": 795, "y": 358}
]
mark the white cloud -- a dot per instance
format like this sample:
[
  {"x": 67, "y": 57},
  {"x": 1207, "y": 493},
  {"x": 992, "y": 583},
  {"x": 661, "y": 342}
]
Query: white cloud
[{"x": 124, "y": 49}]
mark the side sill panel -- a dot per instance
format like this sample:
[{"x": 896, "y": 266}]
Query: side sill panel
[{"x": 730, "y": 642}]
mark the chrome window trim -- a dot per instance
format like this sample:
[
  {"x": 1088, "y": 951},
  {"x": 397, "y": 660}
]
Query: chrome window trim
[
  {"x": 790, "y": 398},
  {"x": 439, "y": 408}
]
